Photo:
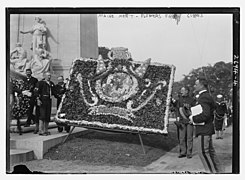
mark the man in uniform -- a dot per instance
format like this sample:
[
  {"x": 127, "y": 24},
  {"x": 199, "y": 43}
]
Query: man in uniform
[
  {"x": 29, "y": 86},
  {"x": 205, "y": 127},
  {"x": 45, "y": 89},
  {"x": 219, "y": 116}
]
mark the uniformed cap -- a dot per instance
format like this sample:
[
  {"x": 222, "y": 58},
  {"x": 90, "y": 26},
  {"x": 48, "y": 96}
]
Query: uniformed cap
[{"x": 219, "y": 96}]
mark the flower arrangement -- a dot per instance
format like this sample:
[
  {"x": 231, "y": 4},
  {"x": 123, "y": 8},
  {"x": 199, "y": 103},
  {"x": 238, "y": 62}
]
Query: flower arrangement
[
  {"x": 120, "y": 94},
  {"x": 21, "y": 101}
]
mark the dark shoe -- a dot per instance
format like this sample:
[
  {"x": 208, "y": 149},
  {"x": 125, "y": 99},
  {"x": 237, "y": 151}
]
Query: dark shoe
[
  {"x": 43, "y": 134},
  {"x": 189, "y": 156},
  {"x": 20, "y": 133},
  {"x": 47, "y": 133},
  {"x": 217, "y": 137},
  {"x": 221, "y": 137},
  {"x": 60, "y": 128},
  {"x": 35, "y": 132},
  {"x": 67, "y": 128},
  {"x": 181, "y": 156}
]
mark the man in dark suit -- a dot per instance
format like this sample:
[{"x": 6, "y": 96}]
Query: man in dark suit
[
  {"x": 45, "y": 89},
  {"x": 205, "y": 127},
  {"x": 29, "y": 85},
  {"x": 60, "y": 90}
]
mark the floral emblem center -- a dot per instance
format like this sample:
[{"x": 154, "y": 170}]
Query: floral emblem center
[{"x": 117, "y": 87}]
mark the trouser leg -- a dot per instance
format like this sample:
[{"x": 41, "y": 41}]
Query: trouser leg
[
  {"x": 19, "y": 126},
  {"x": 58, "y": 102},
  {"x": 30, "y": 112},
  {"x": 207, "y": 154},
  {"x": 217, "y": 134},
  {"x": 48, "y": 106},
  {"x": 37, "y": 118},
  {"x": 217, "y": 165},
  {"x": 182, "y": 139},
  {"x": 41, "y": 127},
  {"x": 221, "y": 134},
  {"x": 189, "y": 132},
  {"x": 46, "y": 127}
]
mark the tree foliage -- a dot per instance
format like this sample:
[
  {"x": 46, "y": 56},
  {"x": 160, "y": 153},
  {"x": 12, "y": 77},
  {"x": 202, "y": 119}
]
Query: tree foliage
[
  {"x": 219, "y": 77},
  {"x": 103, "y": 51}
]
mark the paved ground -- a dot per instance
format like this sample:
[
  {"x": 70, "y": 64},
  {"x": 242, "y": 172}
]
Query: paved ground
[{"x": 169, "y": 163}]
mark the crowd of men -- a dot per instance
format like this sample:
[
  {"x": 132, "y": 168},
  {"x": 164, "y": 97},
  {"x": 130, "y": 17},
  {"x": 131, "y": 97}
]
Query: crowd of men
[
  {"x": 208, "y": 118},
  {"x": 36, "y": 96}
]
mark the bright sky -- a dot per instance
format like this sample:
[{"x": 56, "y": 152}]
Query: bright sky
[{"x": 193, "y": 43}]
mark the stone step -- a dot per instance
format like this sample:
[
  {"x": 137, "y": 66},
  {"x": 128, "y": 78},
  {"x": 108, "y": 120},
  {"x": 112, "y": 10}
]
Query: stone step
[
  {"x": 25, "y": 130},
  {"x": 14, "y": 129},
  {"x": 41, "y": 144},
  {"x": 20, "y": 155}
]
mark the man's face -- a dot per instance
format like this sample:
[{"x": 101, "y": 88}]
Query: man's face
[
  {"x": 28, "y": 73},
  {"x": 60, "y": 79},
  {"x": 183, "y": 91},
  {"x": 198, "y": 86},
  {"x": 219, "y": 99},
  {"x": 47, "y": 76}
]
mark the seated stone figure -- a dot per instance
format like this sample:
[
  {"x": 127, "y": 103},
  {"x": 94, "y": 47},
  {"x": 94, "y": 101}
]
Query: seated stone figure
[
  {"x": 41, "y": 61},
  {"x": 18, "y": 59}
]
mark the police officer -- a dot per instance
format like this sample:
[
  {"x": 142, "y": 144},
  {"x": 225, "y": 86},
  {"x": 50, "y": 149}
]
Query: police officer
[{"x": 205, "y": 127}]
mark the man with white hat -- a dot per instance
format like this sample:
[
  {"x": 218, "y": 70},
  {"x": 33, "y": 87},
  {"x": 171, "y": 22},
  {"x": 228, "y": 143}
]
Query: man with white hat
[{"x": 219, "y": 116}]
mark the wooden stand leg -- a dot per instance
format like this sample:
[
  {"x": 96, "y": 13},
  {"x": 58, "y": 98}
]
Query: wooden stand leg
[
  {"x": 141, "y": 142},
  {"x": 68, "y": 134}
]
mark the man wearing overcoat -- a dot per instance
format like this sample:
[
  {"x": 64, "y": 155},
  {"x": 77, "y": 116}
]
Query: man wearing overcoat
[
  {"x": 45, "y": 89},
  {"x": 29, "y": 85}
]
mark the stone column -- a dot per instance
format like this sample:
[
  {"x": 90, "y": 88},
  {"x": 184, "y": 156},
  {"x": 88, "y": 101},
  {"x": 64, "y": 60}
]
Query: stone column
[{"x": 88, "y": 36}]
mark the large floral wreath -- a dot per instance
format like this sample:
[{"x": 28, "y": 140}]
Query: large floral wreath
[{"x": 118, "y": 93}]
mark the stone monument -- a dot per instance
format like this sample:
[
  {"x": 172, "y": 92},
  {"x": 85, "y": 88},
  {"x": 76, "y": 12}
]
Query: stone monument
[{"x": 60, "y": 37}]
